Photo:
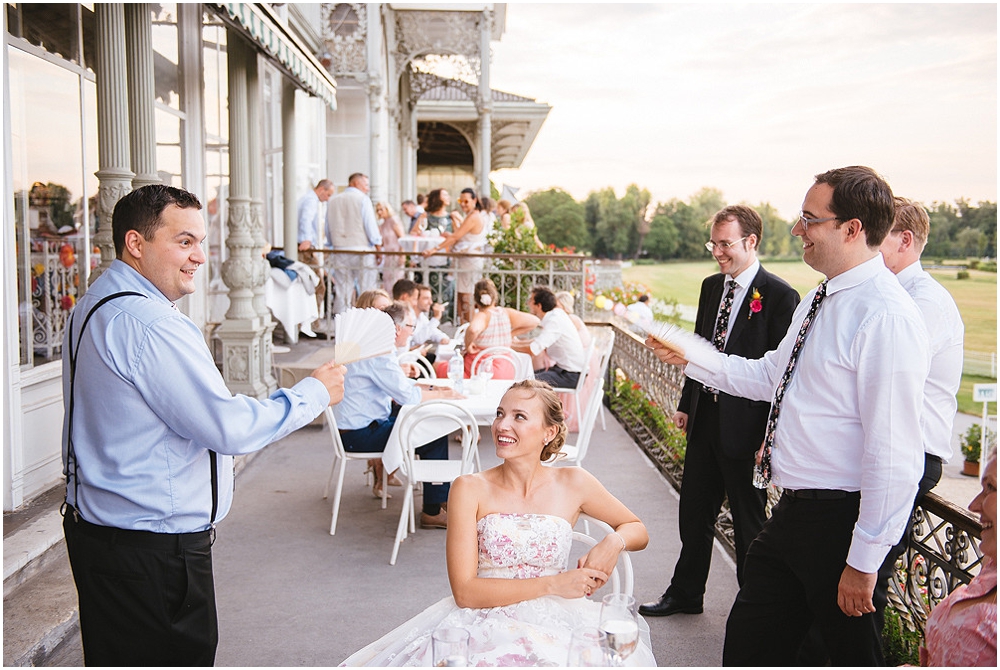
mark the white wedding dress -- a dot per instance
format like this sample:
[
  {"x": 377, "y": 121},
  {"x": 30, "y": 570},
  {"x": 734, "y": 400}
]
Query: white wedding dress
[{"x": 530, "y": 633}]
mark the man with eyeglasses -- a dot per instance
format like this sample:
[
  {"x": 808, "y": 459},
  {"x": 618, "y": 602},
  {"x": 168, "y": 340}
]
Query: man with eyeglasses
[
  {"x": 843, "y": 438},
  {"x": 744, "y": 310}
]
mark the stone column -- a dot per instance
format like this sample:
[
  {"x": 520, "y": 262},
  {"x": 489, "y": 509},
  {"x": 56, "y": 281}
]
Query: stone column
[
  {"x": 141, "y": 93},
  {"x": 240, "y": 332},
  {"x": 258, "y": 219},
  {"x": 289, "y": 162},
  {"x": 485, "y": 105},
  {"x": 112, "y": 124}
]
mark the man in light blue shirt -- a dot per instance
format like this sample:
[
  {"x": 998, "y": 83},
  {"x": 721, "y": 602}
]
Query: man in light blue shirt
[
  {"x": 309, "y": 215},
  {"x": 148, "y": 438}
]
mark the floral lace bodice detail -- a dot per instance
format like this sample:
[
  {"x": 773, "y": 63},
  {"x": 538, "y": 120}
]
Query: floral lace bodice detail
[{"x": 521, "y": 546}]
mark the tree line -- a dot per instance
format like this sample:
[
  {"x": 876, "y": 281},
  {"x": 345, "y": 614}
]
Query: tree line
[{"x": 632, "y": 226}]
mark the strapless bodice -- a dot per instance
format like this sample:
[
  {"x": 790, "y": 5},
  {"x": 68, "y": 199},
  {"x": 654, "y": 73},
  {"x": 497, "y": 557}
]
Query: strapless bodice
[{"x": 521, "y": 546}]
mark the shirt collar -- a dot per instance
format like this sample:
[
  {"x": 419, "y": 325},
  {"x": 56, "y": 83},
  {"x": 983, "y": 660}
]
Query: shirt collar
[
  {"x": 857, "y": 275},
  {"x": 129, "y": 275},
  {"x": 910, "y": 271},
  {"x": 747, "y": 275}
]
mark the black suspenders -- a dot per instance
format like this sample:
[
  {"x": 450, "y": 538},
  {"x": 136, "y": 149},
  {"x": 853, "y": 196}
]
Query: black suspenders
[{"x": 72, "y": 467}]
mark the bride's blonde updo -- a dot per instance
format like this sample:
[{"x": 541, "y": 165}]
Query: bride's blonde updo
[{"x": 553, "y": 410}]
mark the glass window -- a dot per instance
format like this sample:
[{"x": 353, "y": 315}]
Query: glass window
[
  {"x": 51, "y": 206},
  {"x": 166, "y": 59},
  {"x": 169, "y": 157},
  {"x": 216, "y": 94},
  {"x": 51, "y": 26}
]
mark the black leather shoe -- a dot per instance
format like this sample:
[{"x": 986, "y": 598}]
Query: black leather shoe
[{"x": 668, "y": 605}]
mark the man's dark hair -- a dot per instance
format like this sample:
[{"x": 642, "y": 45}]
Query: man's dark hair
[
  {"x": 544, "y": 298},
  {"x": 746, "y": 217},
  {"x": 403, "y": 287},
  {"x": 644, "y": 297},
  {"x": 479, "y": 205},
  {"x": 860, "y": 193},
  {"x": 142, "y": 210}
]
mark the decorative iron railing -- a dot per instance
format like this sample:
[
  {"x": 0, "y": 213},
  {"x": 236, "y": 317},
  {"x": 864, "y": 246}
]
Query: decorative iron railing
[
  {"x": 513, "y": 274},
  {"x": 942, "y": 552}
]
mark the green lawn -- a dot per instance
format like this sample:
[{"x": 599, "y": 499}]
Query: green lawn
[{"x": 976, "y": 298}]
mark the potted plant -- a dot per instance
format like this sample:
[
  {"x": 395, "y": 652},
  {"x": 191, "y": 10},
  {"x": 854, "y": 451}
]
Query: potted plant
[{"x": 970, "y": 445}]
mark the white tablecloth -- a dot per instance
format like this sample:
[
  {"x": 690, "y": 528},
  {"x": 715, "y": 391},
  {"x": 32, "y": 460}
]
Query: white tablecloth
[
  {"x": 482, "y": 405},
  {"x": 291, "y": 303}
]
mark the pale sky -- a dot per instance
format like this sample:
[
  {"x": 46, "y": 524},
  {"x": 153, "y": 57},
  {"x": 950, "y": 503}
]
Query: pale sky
[{"x": 755, "y": 99}]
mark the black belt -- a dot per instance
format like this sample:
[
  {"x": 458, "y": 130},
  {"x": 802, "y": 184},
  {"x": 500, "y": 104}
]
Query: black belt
[
  {"x": 140, "y": 539},
  {"x": 819, "y": 494},
  {"x": 932, "y": 457},
  {"x": 708, "y": 390}
]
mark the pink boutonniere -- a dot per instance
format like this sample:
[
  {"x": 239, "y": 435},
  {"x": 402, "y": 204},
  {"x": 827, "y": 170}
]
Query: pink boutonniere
[{"x": 756, "y": 303}]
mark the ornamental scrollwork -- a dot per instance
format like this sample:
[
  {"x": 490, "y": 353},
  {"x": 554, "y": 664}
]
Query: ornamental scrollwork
[{"x": 345, "y": 34}]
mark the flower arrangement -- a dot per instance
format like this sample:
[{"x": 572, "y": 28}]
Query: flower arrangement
[{"x": 756, "y": 303}]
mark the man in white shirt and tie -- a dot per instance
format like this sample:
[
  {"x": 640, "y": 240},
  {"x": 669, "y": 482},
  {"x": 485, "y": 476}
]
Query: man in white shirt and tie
[{"x": 843, "y": 439}]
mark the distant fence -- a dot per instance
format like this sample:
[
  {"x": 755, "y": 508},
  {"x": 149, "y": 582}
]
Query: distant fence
[{"x": 980, "y": 363}]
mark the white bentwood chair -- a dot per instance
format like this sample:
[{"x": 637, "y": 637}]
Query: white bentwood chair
[
  {"x": 424, "y": 366},
  {"x": 340, "y": 458},
  {"x": 423, "y": 423},
  {"x": 520, "y": 362},
  {"x": 577, "y": 391},
  {"x": 575, "y": 453}
]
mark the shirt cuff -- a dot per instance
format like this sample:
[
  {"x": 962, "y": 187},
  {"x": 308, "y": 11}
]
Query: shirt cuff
[
  {"x": 314, "y": 391},
  {"x": 535, "y": 348},
  {"x": 866, "y": 556}
]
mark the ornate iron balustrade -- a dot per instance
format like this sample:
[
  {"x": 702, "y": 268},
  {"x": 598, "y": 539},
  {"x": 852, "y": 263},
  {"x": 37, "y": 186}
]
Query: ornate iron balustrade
[
  {"x": 513, "y": 274},
  {"x": 943, "y": 550}
]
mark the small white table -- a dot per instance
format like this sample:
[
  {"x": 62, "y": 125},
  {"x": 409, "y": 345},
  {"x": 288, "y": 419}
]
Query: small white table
[{"x": 483, "y": 406}]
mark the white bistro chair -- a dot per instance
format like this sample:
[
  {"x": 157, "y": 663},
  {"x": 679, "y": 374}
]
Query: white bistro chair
[
  {"x": 576, "y": 452},
  {"x": 423, "y": 423},
  {"x": 520, "y": 362},
  {"x": 577, "y": 391},
  {"x": 424, "y": 366},
  {"x": 340, "y": 458}
]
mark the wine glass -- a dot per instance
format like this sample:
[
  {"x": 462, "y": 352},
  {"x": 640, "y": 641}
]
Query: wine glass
[
  {"x": 619, "y": 621},
  {"x": 450, "y": 647},
  {"x": 486, "y": 369},
  {"x": 588, "y": 648}
]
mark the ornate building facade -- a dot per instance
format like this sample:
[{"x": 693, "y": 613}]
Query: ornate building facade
[{"x": 245, "y": 105}]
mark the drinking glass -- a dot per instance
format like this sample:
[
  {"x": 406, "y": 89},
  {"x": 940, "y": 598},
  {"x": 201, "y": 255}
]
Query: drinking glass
[
  {"x": 486, "y": 369},
  {"x": 588, "y": 648},
  {"x": 619, "y": 621},
  {"x": 450, "y": 647}
]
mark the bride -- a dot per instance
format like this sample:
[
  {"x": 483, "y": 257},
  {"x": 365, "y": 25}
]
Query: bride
[{"x": 509, "y": 535}]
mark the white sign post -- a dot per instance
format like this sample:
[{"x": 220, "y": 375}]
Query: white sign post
[{"x": 984, "y": 393}]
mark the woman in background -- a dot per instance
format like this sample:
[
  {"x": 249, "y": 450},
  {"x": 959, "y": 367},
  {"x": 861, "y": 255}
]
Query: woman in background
[
  {"x": 435, "y": 221},
  {"x": 494, "y": 326},
  {"x": 392, "y": 230}
]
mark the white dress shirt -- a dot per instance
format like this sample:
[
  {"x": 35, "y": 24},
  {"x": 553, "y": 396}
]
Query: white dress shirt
[
  {"x": 561, "y": 341},
  {"x": 946, "y": 334},
  {"x": 850, "y": 415},
  {"x": 426, "y": 330}
]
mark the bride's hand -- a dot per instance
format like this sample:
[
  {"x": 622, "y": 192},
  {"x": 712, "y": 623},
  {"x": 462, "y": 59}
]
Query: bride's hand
[
  {"x": 578, "y": 583},
  {"x": 603, "y": 557}
]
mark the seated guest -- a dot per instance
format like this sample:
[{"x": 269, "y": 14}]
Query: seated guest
[
  {"x": 558, "y": 339},
  {"x": 426, "y": 332},
  {"x": 493, "y": 326},
  {"x": 508, "y": 552},
  {"x": 962, "y": 629},
  {"x": 640, "y": 313},
  {"x": 375, "y": 297},
  {"x": 368, "y": 415},
  {"x": 405, "y": 290}
]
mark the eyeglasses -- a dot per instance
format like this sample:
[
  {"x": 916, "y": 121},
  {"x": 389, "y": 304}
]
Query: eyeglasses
[
  {"x": 409, "y": 325},
  {"x": 724, "y": 246},
  {"x": 805, "y": 221}
]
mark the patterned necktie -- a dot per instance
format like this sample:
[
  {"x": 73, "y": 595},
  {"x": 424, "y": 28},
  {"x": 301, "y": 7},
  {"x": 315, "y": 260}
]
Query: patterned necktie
[
  {"x": 722, "y": 324},
  {"x": 762, "y": 472}
]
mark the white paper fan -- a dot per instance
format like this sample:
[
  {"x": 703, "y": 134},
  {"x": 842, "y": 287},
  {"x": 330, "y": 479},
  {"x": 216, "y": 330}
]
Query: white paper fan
[
  {"x": 693, "y": 347},
  {"x": 361, "y": 334}
]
